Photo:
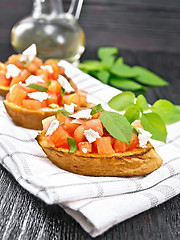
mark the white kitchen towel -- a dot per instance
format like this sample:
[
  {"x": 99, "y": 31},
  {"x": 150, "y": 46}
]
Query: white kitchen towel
[{"x": 97, "y": 203}]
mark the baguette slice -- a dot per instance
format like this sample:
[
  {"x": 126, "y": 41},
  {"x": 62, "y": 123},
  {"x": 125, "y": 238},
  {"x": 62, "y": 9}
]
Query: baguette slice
[
  {"x": 139, "y": 161},
  {"x": 4, "y": 90},
  {"x": 31, "y": 119}
]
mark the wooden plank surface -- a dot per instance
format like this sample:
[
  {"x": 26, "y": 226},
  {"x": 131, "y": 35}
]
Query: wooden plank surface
[{"x": 147, "y": 33}]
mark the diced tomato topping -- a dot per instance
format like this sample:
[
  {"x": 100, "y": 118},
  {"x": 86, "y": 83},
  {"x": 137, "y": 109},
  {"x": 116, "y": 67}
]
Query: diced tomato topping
[
  {"x": 104, "y": 146},
  {"x": 72, "y": 98},
  {"x": 120, "y": 146},
  {"x": 17, "y": 94},
  {"x": 59, "y": 137},
  {"x": 43, "y": 73},
  {"x": 14, "y": 59},
  {"x": 32, "y": 67},
  {"x": 55, "y": 67},
  {"x": 69, "y": 126},
  {"x": 134, "y": 141},
  {"x": 3, "y": 80},
  {"x": 37, "y": 61},
  {"x": 82, "y": 97},
  {"x": 31, "y": 104},
  {"x": 79, "y": 134},
  {"x": 85, "y": 147},
  {"x": 60, "y": 117},
  {"x": 44, "y": 103},
  {"x": 47, "y": 121},
  {"x": 96, "y": 125},
  {"x": 54, "y": 87},
  {"x": 52, "y": 98}
]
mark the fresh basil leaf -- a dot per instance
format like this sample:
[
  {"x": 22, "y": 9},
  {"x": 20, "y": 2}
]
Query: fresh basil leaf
[
  {"x": 117, "y": 125},
  {"x": 72, "y": 144},
  {"x": 147, "y": 77},
  {"x": 154, "y": 124},
  {"x": 49, "y": 83},
  {"x": 123, "y": 70},
  {"x": 132, "y": 113},
  {"x": 37, "y": 87},
  {"x": 105, "y": 52},
  {"x": 96, "y": 109},
  {"x": 103, "y": 76},
  {"x": 91, "y": 65},
  {"x": 142, "y": 103},
  {"x": 122, "y": 101},
  {"x": 63, "y": 111},
  {"x": 125, "y": 84},
  {"x": 108, "y": 62},
  {"x": 168, "y": 112}
]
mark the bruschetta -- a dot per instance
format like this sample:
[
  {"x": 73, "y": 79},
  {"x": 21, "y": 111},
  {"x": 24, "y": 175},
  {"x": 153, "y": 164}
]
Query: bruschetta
[{"x": 95, "y": 151}]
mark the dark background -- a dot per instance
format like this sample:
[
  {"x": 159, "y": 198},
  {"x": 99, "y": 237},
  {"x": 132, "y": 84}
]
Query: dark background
[{"x": 147, "y": 33}]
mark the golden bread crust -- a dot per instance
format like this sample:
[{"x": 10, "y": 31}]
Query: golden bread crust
[
  {"x": 4, "y": 90},
  {"x": 31, "y": 119},
  {"x": 139, "y": 161}
]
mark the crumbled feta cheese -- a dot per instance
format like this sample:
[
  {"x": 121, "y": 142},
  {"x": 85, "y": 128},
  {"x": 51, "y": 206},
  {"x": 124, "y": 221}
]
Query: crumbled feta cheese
[
  {"x": 12, "y": 71},
  {"x": 33, "y": 79},
  {"x": 29, "y": 54},
  {"x": 82, "y": 114},
  {"x": 45, "y": 120},
  {"x": 148, "y": 111},
  {"x": 52, "y": 128},
  {"x": 47, "y": 67},
  {"x": 41, "y": 96},
  {"x": 91, "y": 135},
  {"x": 84, "y": 150},
  {"x": 143, "y": 136},
  {"x": 70, "y": 108},
  {"x": 65, "y": 84}
]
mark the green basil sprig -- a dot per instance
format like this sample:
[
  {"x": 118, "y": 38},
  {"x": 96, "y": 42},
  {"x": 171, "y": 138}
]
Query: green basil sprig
[
  {"x": 37, "y": 87},
  {"x": 112, "y": 70},
  {"x": 153, "y": 118},
  {"x": 72, "y": 145}
]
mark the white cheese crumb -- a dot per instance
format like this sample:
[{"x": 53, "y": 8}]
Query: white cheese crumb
[
  {"x": 12, "y": 71},
  {"x": 52, "y": 128},
  {"x": 41, "y": 96},
  {"x": 91, "y": 135},
  {"x": 29, "y": 54},
  {"x": 82, "y": 114},
  {"x": 47, "y": 67},
  {"x": 33, "y": 79},
  {"x": 70, "y": 108},
  {"x": 65, "y": 84},
  {"x": 47, "y": 119},
  {"x": 143, "y": 136},
  {"x": 84, "y": 150}
]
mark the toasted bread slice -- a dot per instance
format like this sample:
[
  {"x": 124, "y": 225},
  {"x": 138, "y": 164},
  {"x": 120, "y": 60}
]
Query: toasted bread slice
[
  {"x": 31, "y": 119},
  {"x": 4, "y": 90},
  {"x": 139, "y": 161}
]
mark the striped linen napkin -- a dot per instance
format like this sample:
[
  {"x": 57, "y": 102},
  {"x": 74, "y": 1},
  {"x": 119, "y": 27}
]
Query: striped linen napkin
[{"x": 97, "y": 203}]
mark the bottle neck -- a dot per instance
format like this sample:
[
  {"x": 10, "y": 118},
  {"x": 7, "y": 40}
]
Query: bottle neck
[{"x": 51, "y": 8}]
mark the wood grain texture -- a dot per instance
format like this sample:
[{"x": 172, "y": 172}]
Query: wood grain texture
[{"x": 147, "y": 33}]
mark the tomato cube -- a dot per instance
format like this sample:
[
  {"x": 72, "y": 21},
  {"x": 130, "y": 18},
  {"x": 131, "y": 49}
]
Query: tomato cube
[
  {"x": 59, "y": 137},
  {"x": 31, "y": 104},
  {"x": 17, "y": 94},
  {"x": 120, "y": 146},
  {"x": 85, "y": 147},
  {"x": 104, "y": 146}
]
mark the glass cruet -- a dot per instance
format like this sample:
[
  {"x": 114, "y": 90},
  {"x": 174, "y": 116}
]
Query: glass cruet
[{"x": 56, "y": 33}]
